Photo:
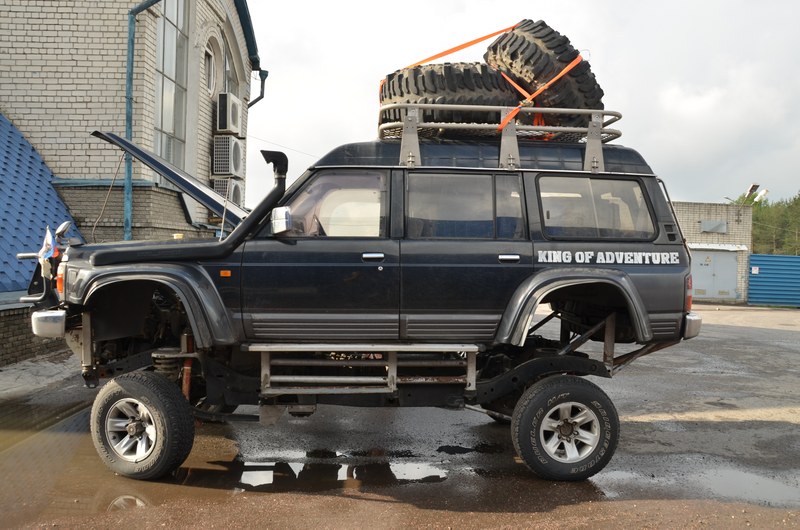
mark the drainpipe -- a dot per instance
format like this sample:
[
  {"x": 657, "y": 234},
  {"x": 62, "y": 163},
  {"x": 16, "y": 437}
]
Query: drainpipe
[
  {"x": 263, "y": 75},
  {"x": 127, "y": 214}
]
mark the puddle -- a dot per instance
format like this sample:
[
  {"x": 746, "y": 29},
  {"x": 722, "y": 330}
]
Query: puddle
[
  {"x": 20, "y": 418},
  {"x": 743, "y": 485},
  {"x": 726, "y": 483}
]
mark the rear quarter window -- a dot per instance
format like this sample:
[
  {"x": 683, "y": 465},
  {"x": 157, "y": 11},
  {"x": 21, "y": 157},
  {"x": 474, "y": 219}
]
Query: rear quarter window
[{"x": 594, "y": 208}]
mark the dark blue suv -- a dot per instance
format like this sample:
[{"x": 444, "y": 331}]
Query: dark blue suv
[{"x": 457, "y": 270}]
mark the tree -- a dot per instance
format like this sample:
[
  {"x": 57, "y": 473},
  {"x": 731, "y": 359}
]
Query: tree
[{"x": 776, "y": 226}]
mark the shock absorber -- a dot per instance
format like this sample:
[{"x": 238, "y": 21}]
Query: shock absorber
[{"x": 187, "y": 346}]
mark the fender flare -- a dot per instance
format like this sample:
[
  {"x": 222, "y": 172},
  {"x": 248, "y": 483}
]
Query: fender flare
[
  {"x": 205, "y": 310},
  {"x": 520, "y": 311}
]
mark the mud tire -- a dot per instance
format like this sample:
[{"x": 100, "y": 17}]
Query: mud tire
[
  {"x": 555, "y": 401},
  {"x": 152, "y": 405},
  {"x": 449, "y": 83},
  {"x": 532, "y": 54}
]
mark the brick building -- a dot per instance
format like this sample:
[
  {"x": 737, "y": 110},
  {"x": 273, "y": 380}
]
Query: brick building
[
  {"x": 63, "y": 74},
  {"x": 63, "y": 65},
  {"x": 721, "y": 239}
]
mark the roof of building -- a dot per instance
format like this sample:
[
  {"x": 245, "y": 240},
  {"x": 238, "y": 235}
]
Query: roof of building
[
  {"x": 249, "y": 35},
  {"x": 28, "y": 204}
]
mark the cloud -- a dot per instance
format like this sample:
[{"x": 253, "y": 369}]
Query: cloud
[{"x": 707, "y": 90}]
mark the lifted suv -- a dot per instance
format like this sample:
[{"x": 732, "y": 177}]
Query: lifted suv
[{"x": 395, "y": 272}]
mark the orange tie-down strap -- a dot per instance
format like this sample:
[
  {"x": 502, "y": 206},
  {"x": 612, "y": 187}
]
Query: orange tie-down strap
[
  {"x": 454, "y": 50},
  {"x": 530, "y": 97}
]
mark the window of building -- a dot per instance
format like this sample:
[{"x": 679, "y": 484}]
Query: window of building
[
  {"x": 341, "y": 204},
  {"x": 585, "y": 207},
  {"x": 171, "y": 72},
  {"x": 230, "y": 81},
  {"x": 464, "y": 207},
  {"x": 210, "y": 71}
]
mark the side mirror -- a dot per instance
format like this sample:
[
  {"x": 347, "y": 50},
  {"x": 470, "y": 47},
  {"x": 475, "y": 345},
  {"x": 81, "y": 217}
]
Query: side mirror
[
  {"x": 281, "y": 220},
  {"x": 62, "y": 229}
]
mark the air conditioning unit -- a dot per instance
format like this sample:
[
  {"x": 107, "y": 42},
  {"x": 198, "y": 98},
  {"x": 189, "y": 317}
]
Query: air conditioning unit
[
  {"x": 229, "y": 114},
  {"x": 228, "y": 156},
  {"x": 230, "y": 188}
]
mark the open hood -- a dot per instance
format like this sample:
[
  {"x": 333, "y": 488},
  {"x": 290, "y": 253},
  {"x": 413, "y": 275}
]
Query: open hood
[{"x": 186, "y": 183}]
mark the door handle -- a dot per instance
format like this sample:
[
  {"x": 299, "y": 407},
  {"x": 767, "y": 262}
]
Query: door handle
[
  {"x": 373, "y": 256},
  {"x": 508, "y": 258}
]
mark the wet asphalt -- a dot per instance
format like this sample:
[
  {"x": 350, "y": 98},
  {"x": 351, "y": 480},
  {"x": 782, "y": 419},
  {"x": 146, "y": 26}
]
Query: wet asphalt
[{"x": 716, "y": 418}]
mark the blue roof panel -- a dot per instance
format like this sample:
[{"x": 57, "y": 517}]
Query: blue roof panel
[{"x": 28, "y": 204}]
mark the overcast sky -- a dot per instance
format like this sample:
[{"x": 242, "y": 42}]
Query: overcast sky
[{"x": 709, "y": 90}]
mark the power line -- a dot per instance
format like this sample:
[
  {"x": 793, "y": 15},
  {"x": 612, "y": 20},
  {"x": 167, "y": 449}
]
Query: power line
[{"x": 282, "y": 146}]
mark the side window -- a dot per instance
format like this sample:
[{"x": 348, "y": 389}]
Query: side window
[
  {"x": 586, "y": 207},
  {"x": 341, "y": 204},
  {"x": 510, "y": 221},
  {"x": 464, "y": 207}
]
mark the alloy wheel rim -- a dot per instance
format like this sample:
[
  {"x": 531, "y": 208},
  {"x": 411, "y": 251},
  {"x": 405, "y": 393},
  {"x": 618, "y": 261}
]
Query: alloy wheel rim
[
  {"x": 569, "y": 432},
  {"x": 130, "y": 430}
]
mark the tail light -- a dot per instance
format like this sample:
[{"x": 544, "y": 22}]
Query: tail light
[{"x": 689, "y": 292}]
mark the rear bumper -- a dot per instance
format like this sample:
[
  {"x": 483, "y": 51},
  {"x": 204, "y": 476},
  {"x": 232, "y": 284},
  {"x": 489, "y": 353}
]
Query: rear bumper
[
  {"x": 692, "y": 323},
  {"x": 49, "y": 323}
]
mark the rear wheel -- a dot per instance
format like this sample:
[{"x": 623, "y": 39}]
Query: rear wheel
[
  {"x": 142, "y": 426},
  {"x": 565, "y": 428}
]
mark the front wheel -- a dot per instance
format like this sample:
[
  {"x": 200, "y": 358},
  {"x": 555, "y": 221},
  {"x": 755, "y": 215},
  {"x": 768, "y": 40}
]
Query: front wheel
[
  {"x": 142, "y": 426},
  {"x": 565, "y": 428}
]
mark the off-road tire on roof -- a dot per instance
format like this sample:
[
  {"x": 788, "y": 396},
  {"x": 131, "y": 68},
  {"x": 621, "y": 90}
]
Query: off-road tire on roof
[
  {"x": 449, "y": 83},
  {"x": 532, "y": 54}
]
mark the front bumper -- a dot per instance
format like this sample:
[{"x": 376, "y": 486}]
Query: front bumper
[
  {"x": 49, "y": 323},
  {"x": 691, "y": 325}
]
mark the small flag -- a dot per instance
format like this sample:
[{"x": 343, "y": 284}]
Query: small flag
[{"x": 48, "y": 248}]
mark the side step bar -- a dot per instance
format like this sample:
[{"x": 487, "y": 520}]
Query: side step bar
[{"x": 382, "y": 358}]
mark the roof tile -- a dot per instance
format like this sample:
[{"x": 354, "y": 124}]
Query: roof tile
[{"x": 28, "y": 204}]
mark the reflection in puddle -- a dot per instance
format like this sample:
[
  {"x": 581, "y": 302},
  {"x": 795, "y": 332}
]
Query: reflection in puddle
[
  {"x": 314, "y": 476},
  {"x": 126, "y": 502}
]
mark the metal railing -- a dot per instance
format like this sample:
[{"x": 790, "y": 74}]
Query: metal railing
[{"x": 420, "y": 118}]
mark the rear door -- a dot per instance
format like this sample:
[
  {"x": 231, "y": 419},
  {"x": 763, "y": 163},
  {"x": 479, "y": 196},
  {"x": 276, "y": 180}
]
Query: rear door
[
  {"x": 335, "y": 275},
  {"x": 465, "y": 251}
]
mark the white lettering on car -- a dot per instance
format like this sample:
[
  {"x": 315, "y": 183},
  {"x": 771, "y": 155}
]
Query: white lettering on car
[{"x": 608, "y": 258}]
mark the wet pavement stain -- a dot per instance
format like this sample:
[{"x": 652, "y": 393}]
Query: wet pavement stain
[{"x": 481, "y": 448}]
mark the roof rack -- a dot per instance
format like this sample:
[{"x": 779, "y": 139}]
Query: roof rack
[{"x": 414, "y": 124}]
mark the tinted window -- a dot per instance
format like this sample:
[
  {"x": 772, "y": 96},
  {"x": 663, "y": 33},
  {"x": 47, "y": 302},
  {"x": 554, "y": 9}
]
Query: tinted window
[
  {"x": 464, "y": 207},
  {"x": 341, "y": 204},
  {"x": 594, "y": 208}
]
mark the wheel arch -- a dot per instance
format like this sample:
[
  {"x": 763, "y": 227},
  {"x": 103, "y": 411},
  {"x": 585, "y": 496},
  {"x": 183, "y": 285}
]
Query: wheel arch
[
  {"x": 520, "y": 312},
  {"x": 205, "y": 311}
]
